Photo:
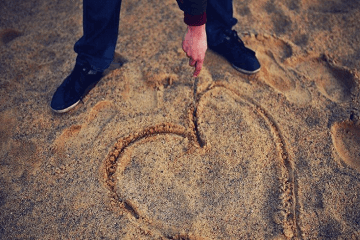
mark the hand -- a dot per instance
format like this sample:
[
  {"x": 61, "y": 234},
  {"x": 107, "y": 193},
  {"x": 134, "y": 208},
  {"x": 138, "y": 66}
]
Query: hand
[{"x": 195, "y": 45}]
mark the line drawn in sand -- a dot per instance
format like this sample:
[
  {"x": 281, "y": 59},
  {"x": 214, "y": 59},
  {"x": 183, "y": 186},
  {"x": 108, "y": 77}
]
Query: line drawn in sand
[{"x": 120, "y": 162}]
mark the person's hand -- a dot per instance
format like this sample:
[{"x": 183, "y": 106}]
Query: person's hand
[{"x": 195, "y": 45}]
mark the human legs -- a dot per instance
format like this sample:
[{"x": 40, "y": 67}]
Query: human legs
[
  {"x": 225, "y": 41},
  {"x": 219, "y": 18},
  {"x": 95, "y": 51},
  {"x": 100, "y": 25}
]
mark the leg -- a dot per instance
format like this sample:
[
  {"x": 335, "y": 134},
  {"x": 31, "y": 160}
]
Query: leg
[
  {"x": 226, "y": 42},
  {"x": 220, "y": 18},
  {"x": 100, "y": 25},
  {"x": 95, "y": 51}
]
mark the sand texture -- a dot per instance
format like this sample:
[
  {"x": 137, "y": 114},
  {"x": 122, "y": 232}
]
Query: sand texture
[{"x": 152, "y": 153}]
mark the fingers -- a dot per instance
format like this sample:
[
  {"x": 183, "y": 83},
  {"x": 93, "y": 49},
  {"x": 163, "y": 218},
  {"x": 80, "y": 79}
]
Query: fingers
[
  {"x": 194, "y": 59},
  {"x": 198, "y": 66}
]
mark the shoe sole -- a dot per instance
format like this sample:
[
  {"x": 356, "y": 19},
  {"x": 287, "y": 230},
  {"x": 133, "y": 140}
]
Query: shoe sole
[
  {"x": 245, "y": 71},
  {"x": 66, "y": 109}
]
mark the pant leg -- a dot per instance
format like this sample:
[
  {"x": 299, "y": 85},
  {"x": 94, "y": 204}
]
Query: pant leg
[
  {"x": 219, "y": 18},
  {"x": 101, "y": 27}
]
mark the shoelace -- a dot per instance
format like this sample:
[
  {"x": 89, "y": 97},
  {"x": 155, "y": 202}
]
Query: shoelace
[
  {"x": 236, "y": 40},
  {"x": 77, "y": 74}
]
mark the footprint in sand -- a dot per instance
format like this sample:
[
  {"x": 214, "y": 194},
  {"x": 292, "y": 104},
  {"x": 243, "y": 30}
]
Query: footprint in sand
[
  {"x": 334, "y": 82},
  {"x": 273, "y": 53},
  {"x": 287, "y": 70},
  {"x": 98, "y": 118},
  {"x": 346, "y": 139},
  {"x": 65, "y": 138},
  {"x": 7, "y": 35},
  {"x": 22, "y": 154},
  {"x": 239, "y": 185}
]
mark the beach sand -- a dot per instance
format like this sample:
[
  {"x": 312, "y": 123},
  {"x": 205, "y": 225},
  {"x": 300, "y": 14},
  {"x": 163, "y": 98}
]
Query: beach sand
[{"x": 152, "y": 153}]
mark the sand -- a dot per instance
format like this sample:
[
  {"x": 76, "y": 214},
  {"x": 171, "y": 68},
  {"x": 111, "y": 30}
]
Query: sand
[{"x": 152, "y": 153}]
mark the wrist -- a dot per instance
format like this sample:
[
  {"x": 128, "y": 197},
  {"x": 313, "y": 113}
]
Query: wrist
[{"x": 197, "y": 30}]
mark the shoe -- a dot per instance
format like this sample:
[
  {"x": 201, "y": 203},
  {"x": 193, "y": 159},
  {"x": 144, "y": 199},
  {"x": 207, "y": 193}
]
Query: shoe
[
  {"x": 74, "y": 88},
  {"x": 233, "y": 49}
]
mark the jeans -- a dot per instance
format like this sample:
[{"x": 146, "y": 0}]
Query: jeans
[{"x": 101, "y": 28}]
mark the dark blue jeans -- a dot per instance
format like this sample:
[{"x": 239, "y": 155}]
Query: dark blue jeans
[{"x": 101, "y": 24}]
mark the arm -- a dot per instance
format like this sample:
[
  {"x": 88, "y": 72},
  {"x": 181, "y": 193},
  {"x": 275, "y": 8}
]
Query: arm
[
  {"x": 195, "y": 45},
  {"x": 195, "y": 42}
]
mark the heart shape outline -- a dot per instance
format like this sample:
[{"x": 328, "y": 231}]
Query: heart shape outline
[{"x": 196, "y": 140}]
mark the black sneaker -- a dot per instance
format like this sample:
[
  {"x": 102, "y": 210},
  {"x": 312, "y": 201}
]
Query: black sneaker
[
  {"x": 74, "y": 88},
  {"x": 233, "y": 49}
]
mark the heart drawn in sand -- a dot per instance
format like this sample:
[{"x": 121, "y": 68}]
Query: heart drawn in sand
[{"x": 239, "y": 184}]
